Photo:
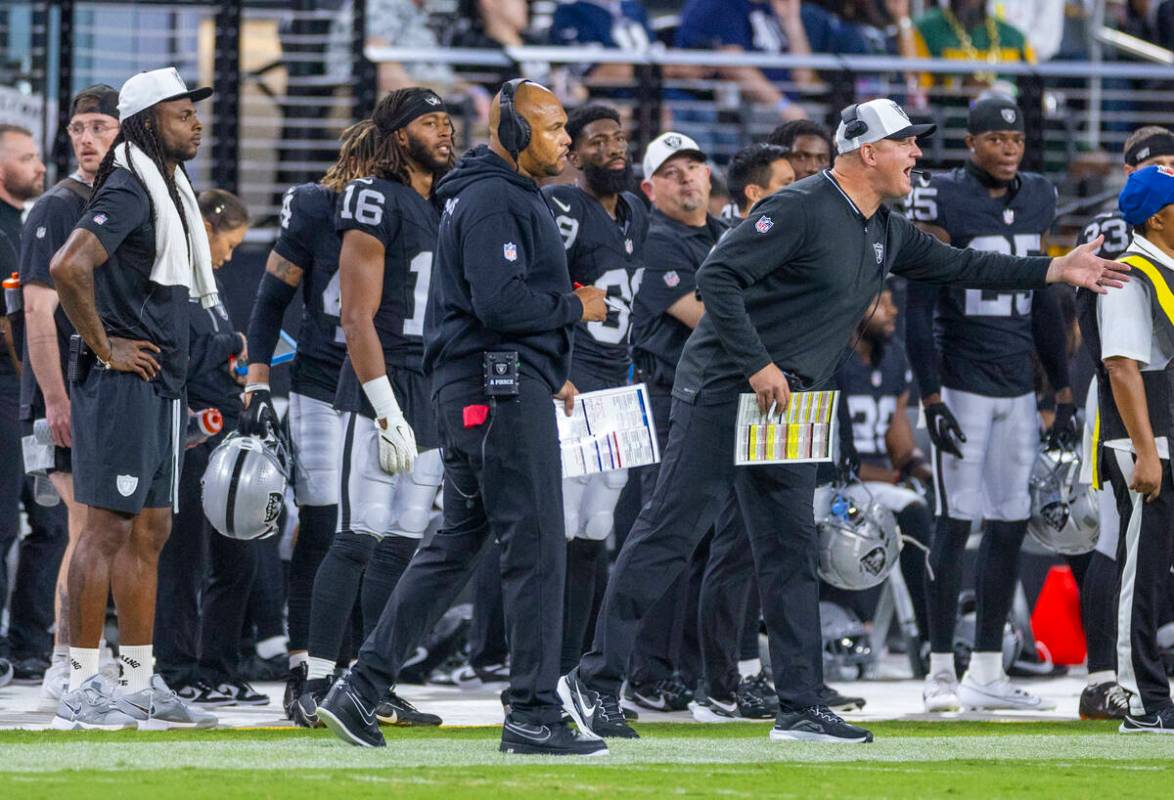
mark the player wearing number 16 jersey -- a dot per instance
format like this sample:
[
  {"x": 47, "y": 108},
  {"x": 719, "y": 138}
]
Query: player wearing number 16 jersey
[
  {"x": 971, "y": 351},
  {"x": 388, "y": 226},
  {"x": 603, "y": 229}
]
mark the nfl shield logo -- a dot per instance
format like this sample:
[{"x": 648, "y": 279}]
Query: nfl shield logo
[
  {"x": 1008, "y": 216},
  {"x": 671, "y": 279},
  {"x": 628, "y": 246},
  {"x": 126, "y": 484},
  {"x": 100, "y": 219},
  {"x": 764, "y": 224},
  {"x": 879, "y": 249},
  {"x": 510, "y": 251}
]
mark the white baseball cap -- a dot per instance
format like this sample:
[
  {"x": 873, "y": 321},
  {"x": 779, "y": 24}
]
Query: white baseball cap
[
  {"x": 873, "y": 121},
  {"x": 664, "y": 147},
  {"x": 156, "y": 86}
]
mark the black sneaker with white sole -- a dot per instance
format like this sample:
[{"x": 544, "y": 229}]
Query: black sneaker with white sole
[
  {"x": 399, "y": 712},
  {"x": 552, "y": 739},
  {"x": 1160, "y": 722},
  {"x": 839, "y": 702},
  {"x": 203, "y": 694},
  {"x": 242, "y": 694},
  {"x": 752, "y": 703},
  {"x": 1108, "y": 700},
  {"x": 817, "y": 724},
  {"x": 597, "y": 714},
  {"x": 350, "y": 716},
  {"x": 304, "y": 711},
  {"x": 295, "y": 684}
]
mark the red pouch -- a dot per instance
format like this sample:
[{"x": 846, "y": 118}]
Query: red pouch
[{"x": 475, "y": 415}]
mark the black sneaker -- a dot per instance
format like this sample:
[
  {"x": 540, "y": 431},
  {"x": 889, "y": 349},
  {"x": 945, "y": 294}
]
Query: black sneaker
[
  {"x": 817, "y": 724},
  {"x": 838, "y": 702},
  {"x": 305, "y": 708},
  {"x": 555, "y": 739},
  {"x": 5, "y": 672},
  {"x": 350, "y": 716},
  {"x": 203, "y": 694},
  {"x": 597, "y": 714},
  {"x": 397, "y": 711},
  {"x": 295, "y": 685},
  {"x": 1161, "y": 722},
  {"x": 764, "y": 687},
  {"x": 663, "y": 695},
  {"x": 27, "y": 671},
  {"x": 1107, "y": 700},
  {"x": 752, "y": 703},
  {"x": 242, "y": 694}
]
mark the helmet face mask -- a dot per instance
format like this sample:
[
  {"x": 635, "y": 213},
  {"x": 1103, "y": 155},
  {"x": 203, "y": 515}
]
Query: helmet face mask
[
  {"x": 244, "y": 486},
  {"x": 1064, "y": 515}
]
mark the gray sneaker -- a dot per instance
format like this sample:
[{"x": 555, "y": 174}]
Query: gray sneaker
[
  {"x": 91, "y": 707},
  {"x": 159, "y": 709}
]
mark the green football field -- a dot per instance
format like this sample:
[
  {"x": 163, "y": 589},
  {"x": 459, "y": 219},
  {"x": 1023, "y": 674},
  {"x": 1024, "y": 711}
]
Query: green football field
[{"x": 909, "y": 759}]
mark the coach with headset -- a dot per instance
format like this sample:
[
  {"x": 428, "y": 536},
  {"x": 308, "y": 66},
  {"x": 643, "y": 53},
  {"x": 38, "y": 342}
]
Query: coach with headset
[{"x": 498, "y": 331}]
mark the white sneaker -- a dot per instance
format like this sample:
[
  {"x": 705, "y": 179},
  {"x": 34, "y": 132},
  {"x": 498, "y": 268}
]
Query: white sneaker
[
  {"x": 940, "y": 693},
  {"x": 999, "y": 695},
  {"x": 56, "y": 680}
]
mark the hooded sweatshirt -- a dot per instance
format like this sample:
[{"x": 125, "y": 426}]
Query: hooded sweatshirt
[{"x": 499, "y": 280}]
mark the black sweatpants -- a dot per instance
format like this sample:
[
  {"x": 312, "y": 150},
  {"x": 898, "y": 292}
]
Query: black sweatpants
[
  {"x": 487, "y": 644},
  {"x": 502, "y": 481},
  {"x": 776, "y": 503},
  {"x": 1145, "y": 553},
  {"x": 725, "y": 595}
]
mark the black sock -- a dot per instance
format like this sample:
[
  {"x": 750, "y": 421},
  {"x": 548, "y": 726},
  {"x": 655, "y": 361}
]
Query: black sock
[
  {"x": 917, "y": 524},
  {"x": 945, "y": 556},
  {"x": 995, "y": 581},
  {"x": 335, "y": 589},
  {"x": 387, "y": 564},
  {"x": 315, "y": 533}
]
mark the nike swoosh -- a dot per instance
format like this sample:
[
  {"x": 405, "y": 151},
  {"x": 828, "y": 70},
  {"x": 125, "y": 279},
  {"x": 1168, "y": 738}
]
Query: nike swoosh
[
  {"x": 368, "y": 716},
  {"x": 658, "y": 704},
  {"x": 729, "y": 709},
  {"x": 72, "y": 710},
  {"x": 146, "y": 711},
  {"x": 564, "y": 206},
  {"x": 589, "y": 717},
  {"x": 531, "y": 733}
]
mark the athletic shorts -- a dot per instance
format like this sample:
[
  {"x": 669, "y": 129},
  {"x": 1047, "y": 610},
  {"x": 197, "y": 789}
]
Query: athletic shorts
[{"x": 126, "y": 442}]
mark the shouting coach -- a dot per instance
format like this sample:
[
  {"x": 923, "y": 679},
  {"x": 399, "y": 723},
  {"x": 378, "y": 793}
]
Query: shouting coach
[{"x": 784, "y": 292}]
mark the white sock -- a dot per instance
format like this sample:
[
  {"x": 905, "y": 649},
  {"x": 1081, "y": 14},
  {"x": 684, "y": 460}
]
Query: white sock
[
  {"x": 319, "y": 668},
  {"x": 300, "y": 657},
  {"x": 986, "y": 667},
  {"x": 136, "y": 664},
  {"x": 750, "y": 667},
  {"x": 1104, "y": 676},
  {"x": 83, "y": 665},
  {"x": 940, "y": 663},
  {"x": 271, "y": 647}
]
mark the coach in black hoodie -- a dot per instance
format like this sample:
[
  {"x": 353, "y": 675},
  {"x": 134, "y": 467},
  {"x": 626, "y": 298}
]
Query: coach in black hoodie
[{"x": 499, "y": 284}]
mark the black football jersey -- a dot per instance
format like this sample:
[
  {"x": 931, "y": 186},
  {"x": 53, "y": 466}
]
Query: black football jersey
[
  {"x": 870, "y": 391},
  {"x": 605, "y": 253},
  {"x": 406, "y": 224},
  {"x": 306, "y": 238},
  {"x": 984, "y": 337},
  {"x": 1117, "y": 233}
]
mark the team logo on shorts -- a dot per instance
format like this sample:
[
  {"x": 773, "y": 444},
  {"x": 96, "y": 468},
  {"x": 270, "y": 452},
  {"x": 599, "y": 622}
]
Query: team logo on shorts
[
  {"x": 764, "y": 224},
  {"x": 126, "y": 484},
  {"x": 100, "y": 219},
  {"x": 879, "y": 249},
  {"x": 671, "y": 279},
  {"x": 1008, "y": 216},
  {"x": 510, "y": 251},
  {"x": 1008, "y": 114}
]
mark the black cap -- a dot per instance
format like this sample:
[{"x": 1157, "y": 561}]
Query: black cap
[
  {"x": 994, "y": 113},
  {"x": 96, "y": 99}
]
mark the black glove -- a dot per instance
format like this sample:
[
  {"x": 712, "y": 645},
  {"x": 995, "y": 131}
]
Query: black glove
[
  {"x": 259, "y": 418},
  {"x": 944, "y": 430},
  {"x": 848, "y": 464},
  {"x": 1062, "y": 434}
]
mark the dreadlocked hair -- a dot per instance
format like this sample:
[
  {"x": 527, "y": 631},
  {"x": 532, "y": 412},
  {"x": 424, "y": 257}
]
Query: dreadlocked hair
[
  {"x": 357, "y": 152},
  {"x": 136, "y": 130}
]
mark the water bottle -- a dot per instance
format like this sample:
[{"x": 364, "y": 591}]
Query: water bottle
[
  {"x": 13, "y": 298},
  {"x": 44, "y": 492},
  {"x": 203, "y": 425}
]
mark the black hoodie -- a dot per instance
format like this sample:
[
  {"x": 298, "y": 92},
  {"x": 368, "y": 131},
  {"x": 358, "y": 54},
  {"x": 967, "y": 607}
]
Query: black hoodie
[{"x": 499, "y": 279}]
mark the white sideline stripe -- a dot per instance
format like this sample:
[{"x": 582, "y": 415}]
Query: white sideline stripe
[{"x": 1125, "y": 674}]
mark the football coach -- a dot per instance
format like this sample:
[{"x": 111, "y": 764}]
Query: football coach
[
  {"x": 783, "y": 293},
  {"x": 497, "y": 338}
]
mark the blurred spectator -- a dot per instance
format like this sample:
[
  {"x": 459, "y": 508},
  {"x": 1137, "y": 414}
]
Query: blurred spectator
[
  {"x": 719, "y": 194},
  {"x": 614, "y": 24},
  {"x": 1041, "y": 20},
  {"x": 390, "y": 23},
  {"x": 962, "y": 30},
  {"x": 884, "y": 27},
  {"x": 495, "y": 25},
  {"x": 808, "y": 145}
]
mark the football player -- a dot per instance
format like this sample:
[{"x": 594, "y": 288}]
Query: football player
[
  {"x": 971, "y": 351},
  {"x": 306, "y": 255},
  {"x": 603, "y": 228},
  {"x": 388, "y": 226},
  {"x": 1103, "y": 698},
  {"x": 808, "y": 145}
]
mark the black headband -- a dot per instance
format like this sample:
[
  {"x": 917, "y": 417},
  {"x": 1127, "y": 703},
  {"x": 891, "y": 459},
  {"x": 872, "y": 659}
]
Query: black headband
[
  {"x": 419, "y": 103},
  {"x": 1158, "y": 144},
  {"x": 96, "y": 99}
]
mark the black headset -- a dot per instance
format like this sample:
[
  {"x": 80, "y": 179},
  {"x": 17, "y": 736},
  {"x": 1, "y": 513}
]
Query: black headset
[
  {"x": 853, "y": 125},
  {"x": 513, "y": 131}
]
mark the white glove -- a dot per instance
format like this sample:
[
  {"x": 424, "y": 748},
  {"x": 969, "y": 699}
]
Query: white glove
[{"x": 397, "y": 440}]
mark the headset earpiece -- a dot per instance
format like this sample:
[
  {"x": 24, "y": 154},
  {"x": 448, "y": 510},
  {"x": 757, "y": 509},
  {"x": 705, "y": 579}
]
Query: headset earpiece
[
  {"x": 853, "y": 125},
  {"x": 513, "y": 131}
]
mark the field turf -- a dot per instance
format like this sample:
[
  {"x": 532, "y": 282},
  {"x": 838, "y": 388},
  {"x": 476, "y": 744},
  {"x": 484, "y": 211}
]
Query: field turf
[{"x": 909, "y": 759}]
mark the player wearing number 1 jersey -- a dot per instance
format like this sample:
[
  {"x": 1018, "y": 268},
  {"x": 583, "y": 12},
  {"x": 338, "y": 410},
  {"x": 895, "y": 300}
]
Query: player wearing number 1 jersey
[
  {"x": 603, "y": 229},
  {"x": 388, "y": 226},
  {"x": 971, "y": 351}
]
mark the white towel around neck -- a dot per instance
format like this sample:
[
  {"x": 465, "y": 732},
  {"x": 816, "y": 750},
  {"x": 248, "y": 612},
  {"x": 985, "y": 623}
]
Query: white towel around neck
[{"x": 179, "y": 260}]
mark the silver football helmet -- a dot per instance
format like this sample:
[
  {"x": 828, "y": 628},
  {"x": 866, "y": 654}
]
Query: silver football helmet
[
  {"x": 1064, "y": 515},
  {"x": 244, "y": 486},
  {"x": 847, "y": 647},
  {"x": 858, "y": 544}
]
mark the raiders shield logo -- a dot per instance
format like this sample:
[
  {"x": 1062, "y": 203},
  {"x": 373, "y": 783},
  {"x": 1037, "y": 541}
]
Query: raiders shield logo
[
  {"x": 1008, "y": 216},
  {"x": 673, "y": 141},
  {"x": 873, "y": 561},
  {"x": 764, "y": 224},
  {"x": 126, "y": 484},
  {"x": 879, "y": 249},
  {"x": 1008, "y": 115},
  {"x": 500, "y": 369},
  {"x": 273, "y": 507},
  {"x": 510, "y": 251}
]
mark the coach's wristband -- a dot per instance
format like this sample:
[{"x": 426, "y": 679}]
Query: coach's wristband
[{"x": 382, "y": 398}]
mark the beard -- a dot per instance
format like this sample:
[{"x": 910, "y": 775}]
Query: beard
[
  {"x": 604, "y": 181},
  {"x": 24, "y": 190},
  {"x": 422, "y": 155}
]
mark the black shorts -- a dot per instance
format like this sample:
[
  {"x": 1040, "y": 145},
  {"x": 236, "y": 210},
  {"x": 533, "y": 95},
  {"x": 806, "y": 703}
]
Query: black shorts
[{"x": 126, "y": 442}]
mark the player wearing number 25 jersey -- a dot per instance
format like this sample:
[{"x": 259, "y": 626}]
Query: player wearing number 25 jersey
[{"x": 971, "y": 351}]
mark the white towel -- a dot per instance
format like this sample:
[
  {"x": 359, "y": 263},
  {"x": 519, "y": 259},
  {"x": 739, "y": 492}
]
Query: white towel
[{"x": 177, "y": 262}]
